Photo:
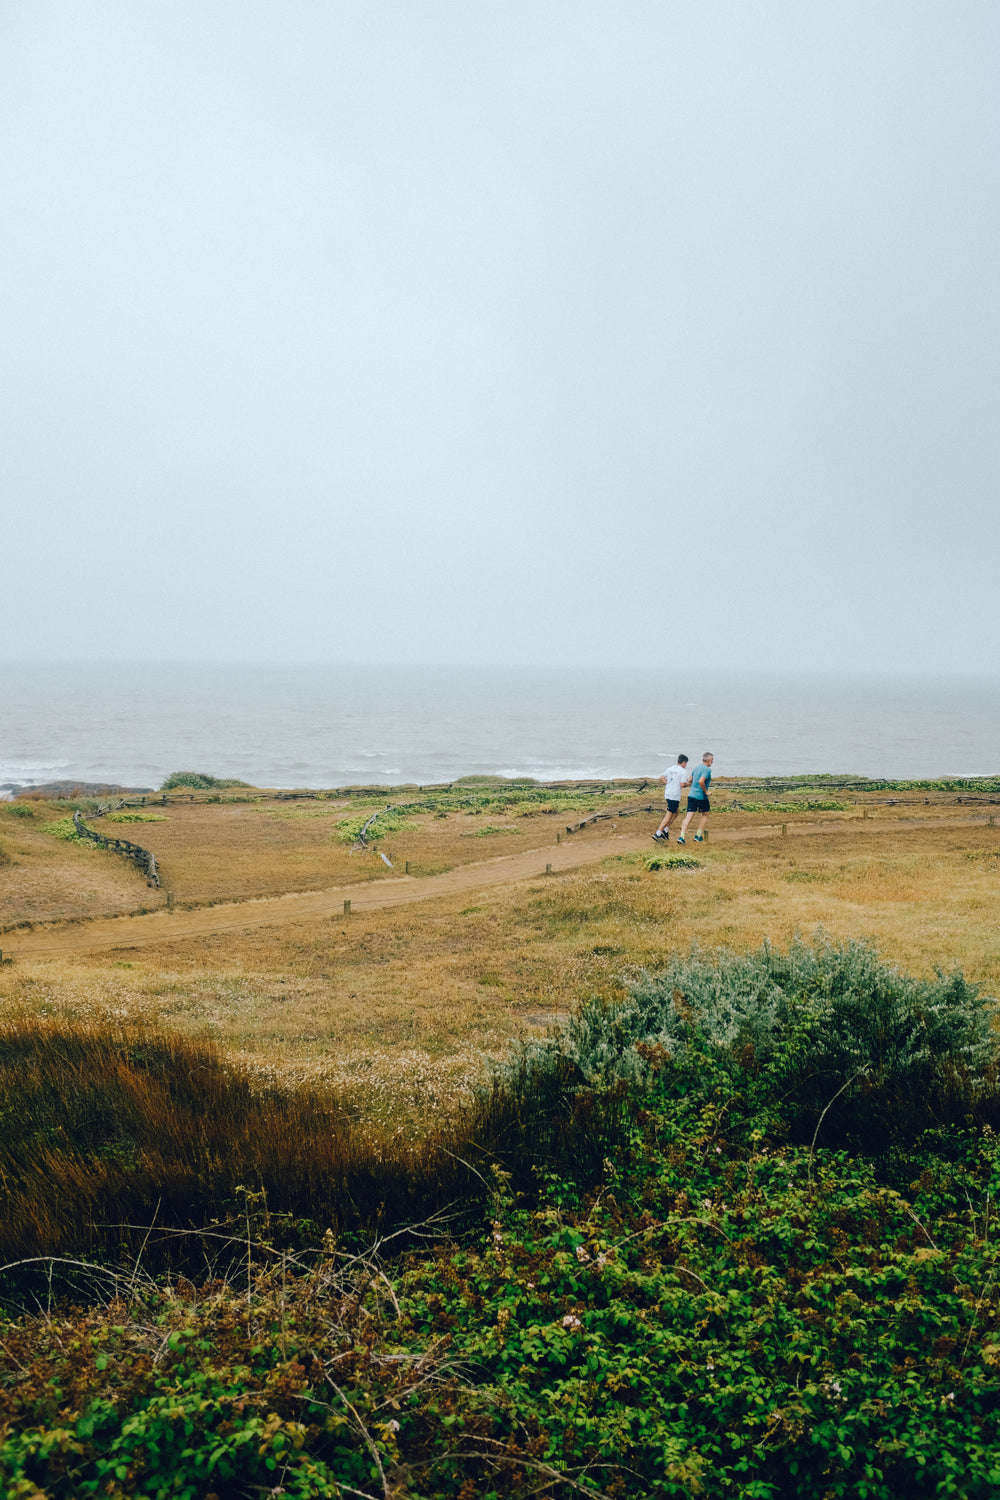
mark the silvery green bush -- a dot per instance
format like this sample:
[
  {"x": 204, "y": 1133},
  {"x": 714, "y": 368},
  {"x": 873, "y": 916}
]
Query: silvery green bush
[{"x": 795, "y": 1032}]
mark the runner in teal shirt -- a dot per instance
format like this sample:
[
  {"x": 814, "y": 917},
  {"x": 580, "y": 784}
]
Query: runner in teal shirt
[
  {"x": 698, "y": 798},
  {"x": 700, "y": 781}
]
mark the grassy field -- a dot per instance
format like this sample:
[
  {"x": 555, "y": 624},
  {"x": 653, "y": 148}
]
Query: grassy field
[
  {"x": 629, "y": 1269},
  {"x": 398, "y": 1008}
]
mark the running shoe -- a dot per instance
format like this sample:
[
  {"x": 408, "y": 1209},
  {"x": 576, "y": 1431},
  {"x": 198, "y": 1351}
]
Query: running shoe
[
  {"x": 699, "y": 838},
  {"x": 680, "y": 838}
]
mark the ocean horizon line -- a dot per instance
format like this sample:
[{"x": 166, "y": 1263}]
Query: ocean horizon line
[{"x": 327, "y": 726}]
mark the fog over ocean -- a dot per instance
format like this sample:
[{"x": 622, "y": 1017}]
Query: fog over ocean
[{"x": 312, "y": 725}]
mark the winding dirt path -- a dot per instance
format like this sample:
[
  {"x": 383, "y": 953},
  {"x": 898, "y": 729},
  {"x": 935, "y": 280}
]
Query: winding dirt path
[{"x": 277, "y": 911}]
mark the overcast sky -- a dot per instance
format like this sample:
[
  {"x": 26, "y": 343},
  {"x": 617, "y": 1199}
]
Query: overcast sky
[{"x": 542, "y": 331}]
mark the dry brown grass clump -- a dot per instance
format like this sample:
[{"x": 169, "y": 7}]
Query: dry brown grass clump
[{"x": 116, "y": 1136}]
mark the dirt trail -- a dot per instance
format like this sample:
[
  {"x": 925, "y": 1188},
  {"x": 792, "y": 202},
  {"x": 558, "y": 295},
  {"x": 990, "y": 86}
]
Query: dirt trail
[{"x": 277, "y": 911}]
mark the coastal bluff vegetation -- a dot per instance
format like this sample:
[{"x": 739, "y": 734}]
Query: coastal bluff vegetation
[{"x": 459, "y": 1141}]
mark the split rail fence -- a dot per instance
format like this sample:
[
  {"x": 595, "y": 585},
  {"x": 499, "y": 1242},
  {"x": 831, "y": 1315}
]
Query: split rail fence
[{"x": 144, "y": 858}]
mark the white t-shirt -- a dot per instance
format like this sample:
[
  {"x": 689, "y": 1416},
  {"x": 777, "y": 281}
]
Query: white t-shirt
[{"x": 675, "y": 775}]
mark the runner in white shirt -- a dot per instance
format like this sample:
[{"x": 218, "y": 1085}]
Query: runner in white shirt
[{"x": 673, "y": 779}]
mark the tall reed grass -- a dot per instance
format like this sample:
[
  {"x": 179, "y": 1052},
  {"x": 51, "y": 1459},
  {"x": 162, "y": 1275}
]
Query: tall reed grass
[{"x": 105, "y": 1134}]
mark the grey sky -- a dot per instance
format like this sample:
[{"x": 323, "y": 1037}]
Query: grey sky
[{"x": 514, "y": 332}]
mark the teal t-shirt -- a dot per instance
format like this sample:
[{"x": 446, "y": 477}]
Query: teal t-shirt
[{"x": 700, "y": 781}]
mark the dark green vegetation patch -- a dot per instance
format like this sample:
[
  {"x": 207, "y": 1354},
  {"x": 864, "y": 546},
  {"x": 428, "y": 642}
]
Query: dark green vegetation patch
[
  {"x": 199, "y": 781},
  {"x": 734, "y": 1237}
]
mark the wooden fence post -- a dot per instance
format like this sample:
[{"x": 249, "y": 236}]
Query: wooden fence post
[{"x": 347, "y": 908}]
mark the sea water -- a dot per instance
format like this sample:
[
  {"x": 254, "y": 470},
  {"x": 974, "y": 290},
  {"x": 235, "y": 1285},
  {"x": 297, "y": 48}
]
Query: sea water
[{"x": 325, "y": 725}]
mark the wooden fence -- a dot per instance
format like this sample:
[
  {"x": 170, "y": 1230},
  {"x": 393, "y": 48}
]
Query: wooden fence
[{"x": 142, "y": 857}]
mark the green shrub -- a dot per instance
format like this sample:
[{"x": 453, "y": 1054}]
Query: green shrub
[
  {"x": 64, "y": 828},
  {"x": 388, "y": 820},
  {"x": 199, "y": 781},
  {"x": 818, "y": 1036},
  {"x": 685, "y": 1308},
  {"x": 710, "y": 1322},
  {"x": 672, "y": 862}
]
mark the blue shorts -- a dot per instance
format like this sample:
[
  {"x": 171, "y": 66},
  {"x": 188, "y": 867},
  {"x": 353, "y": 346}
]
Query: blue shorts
[{"x": 698, "y": 805}]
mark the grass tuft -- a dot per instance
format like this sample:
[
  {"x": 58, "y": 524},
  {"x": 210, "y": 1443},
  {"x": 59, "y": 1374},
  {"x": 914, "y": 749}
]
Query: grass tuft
[{"x": 672, "y": 862}]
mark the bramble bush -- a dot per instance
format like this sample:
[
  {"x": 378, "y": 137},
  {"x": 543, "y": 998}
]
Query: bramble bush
[{"x": 715, "y": 1318}]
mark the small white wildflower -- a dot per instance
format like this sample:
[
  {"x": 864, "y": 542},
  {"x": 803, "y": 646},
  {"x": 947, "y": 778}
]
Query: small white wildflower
[
  {"x": 581, "y": 1254},
  {"x": 392, "y": 1424},
  {"x": 570, "y": 1322}
]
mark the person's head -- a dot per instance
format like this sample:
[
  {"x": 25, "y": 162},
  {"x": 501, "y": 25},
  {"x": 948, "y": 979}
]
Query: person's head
[
  {"x": 708, "y": 757},
  {"x": 682, "y": 760}
]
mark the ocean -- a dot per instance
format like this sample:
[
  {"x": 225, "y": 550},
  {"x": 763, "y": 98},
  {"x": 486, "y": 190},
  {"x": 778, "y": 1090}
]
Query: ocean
[{"x": 326, "y": 726}]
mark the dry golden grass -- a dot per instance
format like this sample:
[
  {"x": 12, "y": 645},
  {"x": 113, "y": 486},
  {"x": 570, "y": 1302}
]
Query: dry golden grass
[
  {"x": 215, "y": 851},
  {"x": 208, "y": 852},
  {"x": 399, "y": 1007},
  {"x": 44, "y": 879}
]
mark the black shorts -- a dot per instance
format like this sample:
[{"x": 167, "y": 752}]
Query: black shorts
[
  {"x": 698, "y": 805},
  {"x": 673, "y": 806}
]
